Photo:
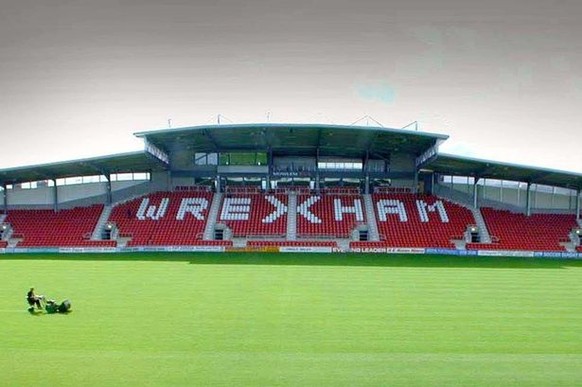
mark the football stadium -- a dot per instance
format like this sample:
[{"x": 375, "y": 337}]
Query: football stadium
[{"x": 291, "y": 254}]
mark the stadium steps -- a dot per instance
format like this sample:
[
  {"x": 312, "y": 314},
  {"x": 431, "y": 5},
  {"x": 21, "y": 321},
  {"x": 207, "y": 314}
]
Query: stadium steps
[
  {"x": 292, "y": 217},
  {"x": 484, "y": 235},
  {"x": 2, "y": 217},
  {"x": 212, "y": 216},
  {"x": 579, "y": 222},
  {"x": 103, "y": 218},
  {"x": 343, "y": 244},
  {"x": 13, "y": 242},
  {"x": 574, "y": 241},
  {"x": 373, "y": 233},
  {"x": 7, "y": 234},
  {"x": 239, "y": 242}
]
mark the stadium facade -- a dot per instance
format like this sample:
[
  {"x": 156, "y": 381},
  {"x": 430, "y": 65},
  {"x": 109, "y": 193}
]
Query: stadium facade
[{"x": 291, "y": 187}]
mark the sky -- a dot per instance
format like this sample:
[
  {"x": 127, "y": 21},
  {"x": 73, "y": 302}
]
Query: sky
[{"x": 502, "y": 78}]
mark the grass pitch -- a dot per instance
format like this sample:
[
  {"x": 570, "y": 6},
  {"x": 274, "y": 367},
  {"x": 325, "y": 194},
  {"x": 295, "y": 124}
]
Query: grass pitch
[{"x": 291, "y": 320}]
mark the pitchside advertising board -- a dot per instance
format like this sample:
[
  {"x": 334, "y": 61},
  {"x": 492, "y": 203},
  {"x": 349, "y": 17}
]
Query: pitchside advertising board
[
  {"x": 303, "y": 249},
  {"x": 240, "y": 209}
]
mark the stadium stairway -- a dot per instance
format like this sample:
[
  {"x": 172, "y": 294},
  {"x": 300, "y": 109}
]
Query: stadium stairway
[
  {"x": 292, "y": 217},
  {"x": 373, "y": 234},
  {"x": 484, "y": 235},
  {"x": 212, "y": 216},
  {"x": 579, "y": 221},
  {"x": 103, "y": 218},
  {"x": 343, "y": 244},
  {"x": 2, "y": 217}
]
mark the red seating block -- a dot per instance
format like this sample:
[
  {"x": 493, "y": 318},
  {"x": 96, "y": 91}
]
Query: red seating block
[
  {"x": 149, "y": 224},
  {"x": 65, "y": 228},
  {"x": 254, "y": 214},
  {"x": 329, "y": 215},
  {"x": 538, "y": 232},
  {"x": 409, "y": 220}
]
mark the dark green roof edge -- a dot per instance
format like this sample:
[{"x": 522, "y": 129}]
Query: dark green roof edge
[
  {"x": 295, "y": 126},
  {"x": 506, "y": 164},
  {"x": 74, "y": 161}
]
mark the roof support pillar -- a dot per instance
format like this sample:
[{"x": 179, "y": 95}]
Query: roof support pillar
[
  {"x": 367, "y": 185},
  {"x": 476, "y": 193},
  {"x": 5, "y": 198},
  {"x": 55, "y": 196},
  {"x": 317, "y": 180},
  {"x": 578, "y": 198},
  {"x": 269, "y": 167},
  {"x": 528, "y": 199},
  {"x": 367, "y": 173},
  {"x": 109, "y": 198}
]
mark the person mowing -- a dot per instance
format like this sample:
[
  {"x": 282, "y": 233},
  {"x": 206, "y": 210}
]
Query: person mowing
[{"x": 33, "y": 299}]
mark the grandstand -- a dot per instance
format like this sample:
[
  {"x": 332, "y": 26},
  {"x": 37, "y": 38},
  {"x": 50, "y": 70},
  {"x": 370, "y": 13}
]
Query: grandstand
[{"x": 290, "y": 187}]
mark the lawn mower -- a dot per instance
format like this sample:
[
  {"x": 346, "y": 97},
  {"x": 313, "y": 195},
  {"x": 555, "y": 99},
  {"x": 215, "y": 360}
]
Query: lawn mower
[{"x": 51, "y": 307}]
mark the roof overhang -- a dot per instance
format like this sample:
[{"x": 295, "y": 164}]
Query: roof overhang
[
  {"x": 465, "y": 166},
  {"x": 293, "y": 139},
  {"x": 120, "y": 163}
]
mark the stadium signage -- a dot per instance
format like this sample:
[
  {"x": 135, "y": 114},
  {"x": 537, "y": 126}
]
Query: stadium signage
[
  {"x": 389, "y": 250},
  {"x": 305, "y": 249},
  {"x": 505, "y": 253},
  {"x": 239, "y": 209}
]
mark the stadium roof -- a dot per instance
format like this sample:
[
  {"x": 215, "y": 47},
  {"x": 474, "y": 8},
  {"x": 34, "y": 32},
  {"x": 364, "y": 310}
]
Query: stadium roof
[
  {"x": 293, "y": 139},
  {"x": 120, "y": 163},
  {"x": 466, "y": 166}
]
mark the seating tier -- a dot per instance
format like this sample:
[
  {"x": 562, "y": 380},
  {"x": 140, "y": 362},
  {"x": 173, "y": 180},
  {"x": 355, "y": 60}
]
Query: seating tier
[
  {"x": 330, "y": 215},
  {"x": 408, "y": 220},
  {"x": 47, "y": 228},
  {"x": 163, "y": 218},
  {"x": 254, "y": 214},
  {"x": 537, "y": 232}
]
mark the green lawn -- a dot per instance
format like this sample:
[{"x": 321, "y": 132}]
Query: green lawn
[{"x": 292, "y": 320}]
